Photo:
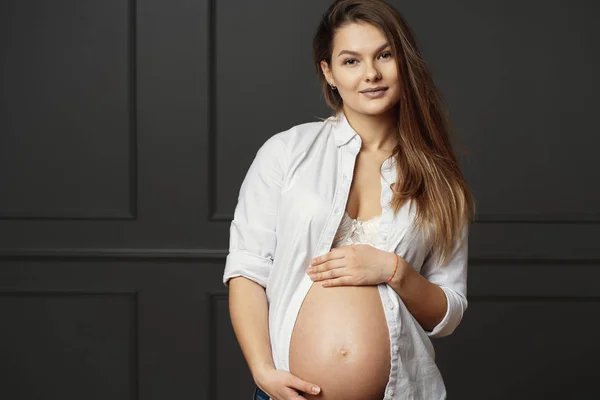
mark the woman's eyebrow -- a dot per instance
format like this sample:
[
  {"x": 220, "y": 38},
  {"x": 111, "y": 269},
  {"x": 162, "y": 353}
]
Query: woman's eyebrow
[{"x": 354, "y": 53}]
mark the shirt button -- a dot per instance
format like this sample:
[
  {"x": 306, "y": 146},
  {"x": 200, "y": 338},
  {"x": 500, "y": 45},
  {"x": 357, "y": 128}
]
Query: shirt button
[
  {"x": 390, "y": 392},
  {"x": 396, "y": 348},
  {"x": 391, "y": 305},
  {"x": 337, "y": 210}
]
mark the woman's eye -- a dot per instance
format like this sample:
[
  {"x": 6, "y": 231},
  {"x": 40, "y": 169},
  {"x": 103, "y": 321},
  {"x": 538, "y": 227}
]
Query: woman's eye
[{"x": 352, "y": 59}]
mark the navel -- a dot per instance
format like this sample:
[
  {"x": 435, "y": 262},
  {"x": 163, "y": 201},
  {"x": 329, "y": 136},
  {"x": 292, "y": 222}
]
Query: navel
[{"x": 344, "y": 352}]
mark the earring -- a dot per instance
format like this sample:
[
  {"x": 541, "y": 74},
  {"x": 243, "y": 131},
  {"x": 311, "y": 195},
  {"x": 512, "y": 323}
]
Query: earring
[{"x": 332, "y": 86}]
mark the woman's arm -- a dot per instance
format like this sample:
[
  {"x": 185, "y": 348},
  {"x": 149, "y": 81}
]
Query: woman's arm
[
  {"x": 426, "y": 301},
  {"x": 249, "y": 317},
  {"x": 252, "y": 245},
  {"x": 437, "y": 296}
]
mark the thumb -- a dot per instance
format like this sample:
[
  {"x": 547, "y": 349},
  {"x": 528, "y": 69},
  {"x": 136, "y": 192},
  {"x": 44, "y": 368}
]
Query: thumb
[{"x": 304, "y": 386}]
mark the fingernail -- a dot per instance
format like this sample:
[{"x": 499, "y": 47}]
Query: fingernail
[
  {"x": 316, "y": 389},
  {"x": 309, "y": 270}
]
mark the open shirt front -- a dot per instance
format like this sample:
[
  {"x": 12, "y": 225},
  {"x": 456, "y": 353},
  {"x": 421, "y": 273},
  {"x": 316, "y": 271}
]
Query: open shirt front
[{"x": 289, "y": 208}]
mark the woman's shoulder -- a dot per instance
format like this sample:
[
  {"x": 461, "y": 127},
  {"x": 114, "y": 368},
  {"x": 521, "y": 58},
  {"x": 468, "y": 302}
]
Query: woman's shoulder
[
  {"x": 301, "y": 136},
  {"x": 289, "y": 147}
]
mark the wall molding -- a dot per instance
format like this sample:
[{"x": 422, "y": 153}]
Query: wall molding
[
  {"x": 221, "y": 254},
  {"x": 131, "y": 295},
  {"x": 131, "y": 213}
]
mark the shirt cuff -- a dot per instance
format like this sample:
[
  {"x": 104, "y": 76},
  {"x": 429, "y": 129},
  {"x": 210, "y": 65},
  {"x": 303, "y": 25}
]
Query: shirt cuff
[
  {"x": 248, "y": 265},
  {"x": 454, "y": 313}
]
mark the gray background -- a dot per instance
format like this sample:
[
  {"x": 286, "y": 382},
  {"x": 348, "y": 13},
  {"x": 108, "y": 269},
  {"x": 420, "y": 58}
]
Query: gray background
[{"x": 126, "y": 128}]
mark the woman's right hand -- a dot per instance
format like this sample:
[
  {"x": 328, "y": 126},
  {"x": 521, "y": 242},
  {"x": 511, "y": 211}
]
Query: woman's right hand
[{"x": 282, "y": 385}]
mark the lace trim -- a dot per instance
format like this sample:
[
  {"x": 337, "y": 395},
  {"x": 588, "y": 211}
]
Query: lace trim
[{"x": 354, "y": 231}]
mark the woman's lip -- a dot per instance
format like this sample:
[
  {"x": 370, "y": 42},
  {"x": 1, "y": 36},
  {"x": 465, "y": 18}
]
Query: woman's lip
[
  {"x": 375, "y": 95},
  {"x": 371, "y": 91}
]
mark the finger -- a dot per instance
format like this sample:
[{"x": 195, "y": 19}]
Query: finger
[
  {"x": 341, "y": 281},
  {"x": 303, "y": 386},
  {"x": 318, "y": 260},
  {"x": 335, "y": 253},
  {"x": 326, "y": 266},
  {"x": 330, "y": 274},
  {"x": 324, "y": 270}
]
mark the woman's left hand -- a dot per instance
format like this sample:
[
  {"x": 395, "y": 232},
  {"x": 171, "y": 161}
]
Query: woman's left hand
[{"x": 354, "y": 265}]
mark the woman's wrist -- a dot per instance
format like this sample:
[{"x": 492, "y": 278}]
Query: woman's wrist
[
  {"x": 261, "y": 370},
  {"x": 392, "y": 267},
  {"x": 398, "y": 270}
]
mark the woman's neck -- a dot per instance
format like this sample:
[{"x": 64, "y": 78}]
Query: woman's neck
[{"x": 378, "y": 133}]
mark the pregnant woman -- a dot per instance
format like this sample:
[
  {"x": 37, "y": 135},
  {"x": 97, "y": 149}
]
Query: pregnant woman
[{"x": 348, "y": 246}]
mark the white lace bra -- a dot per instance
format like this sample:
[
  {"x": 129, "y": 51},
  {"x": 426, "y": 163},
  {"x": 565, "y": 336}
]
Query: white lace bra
[{"x": 354, "y": 231}]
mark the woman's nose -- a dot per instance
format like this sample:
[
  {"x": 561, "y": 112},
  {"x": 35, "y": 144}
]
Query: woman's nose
[{"x": 372, "y": 73}]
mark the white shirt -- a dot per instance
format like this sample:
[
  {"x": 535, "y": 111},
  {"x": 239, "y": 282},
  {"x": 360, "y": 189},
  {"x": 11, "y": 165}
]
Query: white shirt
[{"x": 290, "y": 205}]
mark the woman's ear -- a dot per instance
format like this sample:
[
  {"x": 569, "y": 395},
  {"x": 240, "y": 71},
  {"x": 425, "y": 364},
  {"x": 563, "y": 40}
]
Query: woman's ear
[{"x": 326, "y": 72}]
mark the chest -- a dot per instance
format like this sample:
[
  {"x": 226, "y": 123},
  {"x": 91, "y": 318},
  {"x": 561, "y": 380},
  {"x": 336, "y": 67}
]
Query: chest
[
  {"x": 321, "y": 187},
  {"x": 364, "y": 195}
]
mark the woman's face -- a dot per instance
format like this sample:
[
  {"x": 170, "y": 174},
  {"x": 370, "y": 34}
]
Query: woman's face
[{"x": 362, "y": 59}]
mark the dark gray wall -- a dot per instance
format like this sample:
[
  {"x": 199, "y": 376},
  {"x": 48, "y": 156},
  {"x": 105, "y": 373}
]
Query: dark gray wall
[{"x": 126, "y": 128}]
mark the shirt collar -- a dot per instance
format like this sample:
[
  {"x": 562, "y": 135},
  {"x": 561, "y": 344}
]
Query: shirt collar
[{"x": 343, "y": 131}]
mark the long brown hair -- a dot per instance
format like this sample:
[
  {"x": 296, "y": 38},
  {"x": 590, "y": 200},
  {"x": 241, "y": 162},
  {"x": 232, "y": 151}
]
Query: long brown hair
[{"x": 427, "y": 168}]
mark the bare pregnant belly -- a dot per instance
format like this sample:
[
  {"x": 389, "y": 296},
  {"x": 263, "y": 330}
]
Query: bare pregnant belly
[{"x": 341, "y": 342}]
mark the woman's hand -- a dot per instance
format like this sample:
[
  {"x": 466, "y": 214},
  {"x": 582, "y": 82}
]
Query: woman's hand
[
  {"x": 282, "y": 385},
  {"x": 354, "y": 265}
]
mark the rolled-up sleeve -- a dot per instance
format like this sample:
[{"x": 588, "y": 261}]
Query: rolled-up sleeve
[
  {"x": 452, "y": 278},
  {"x": 252, "y": 239}
]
